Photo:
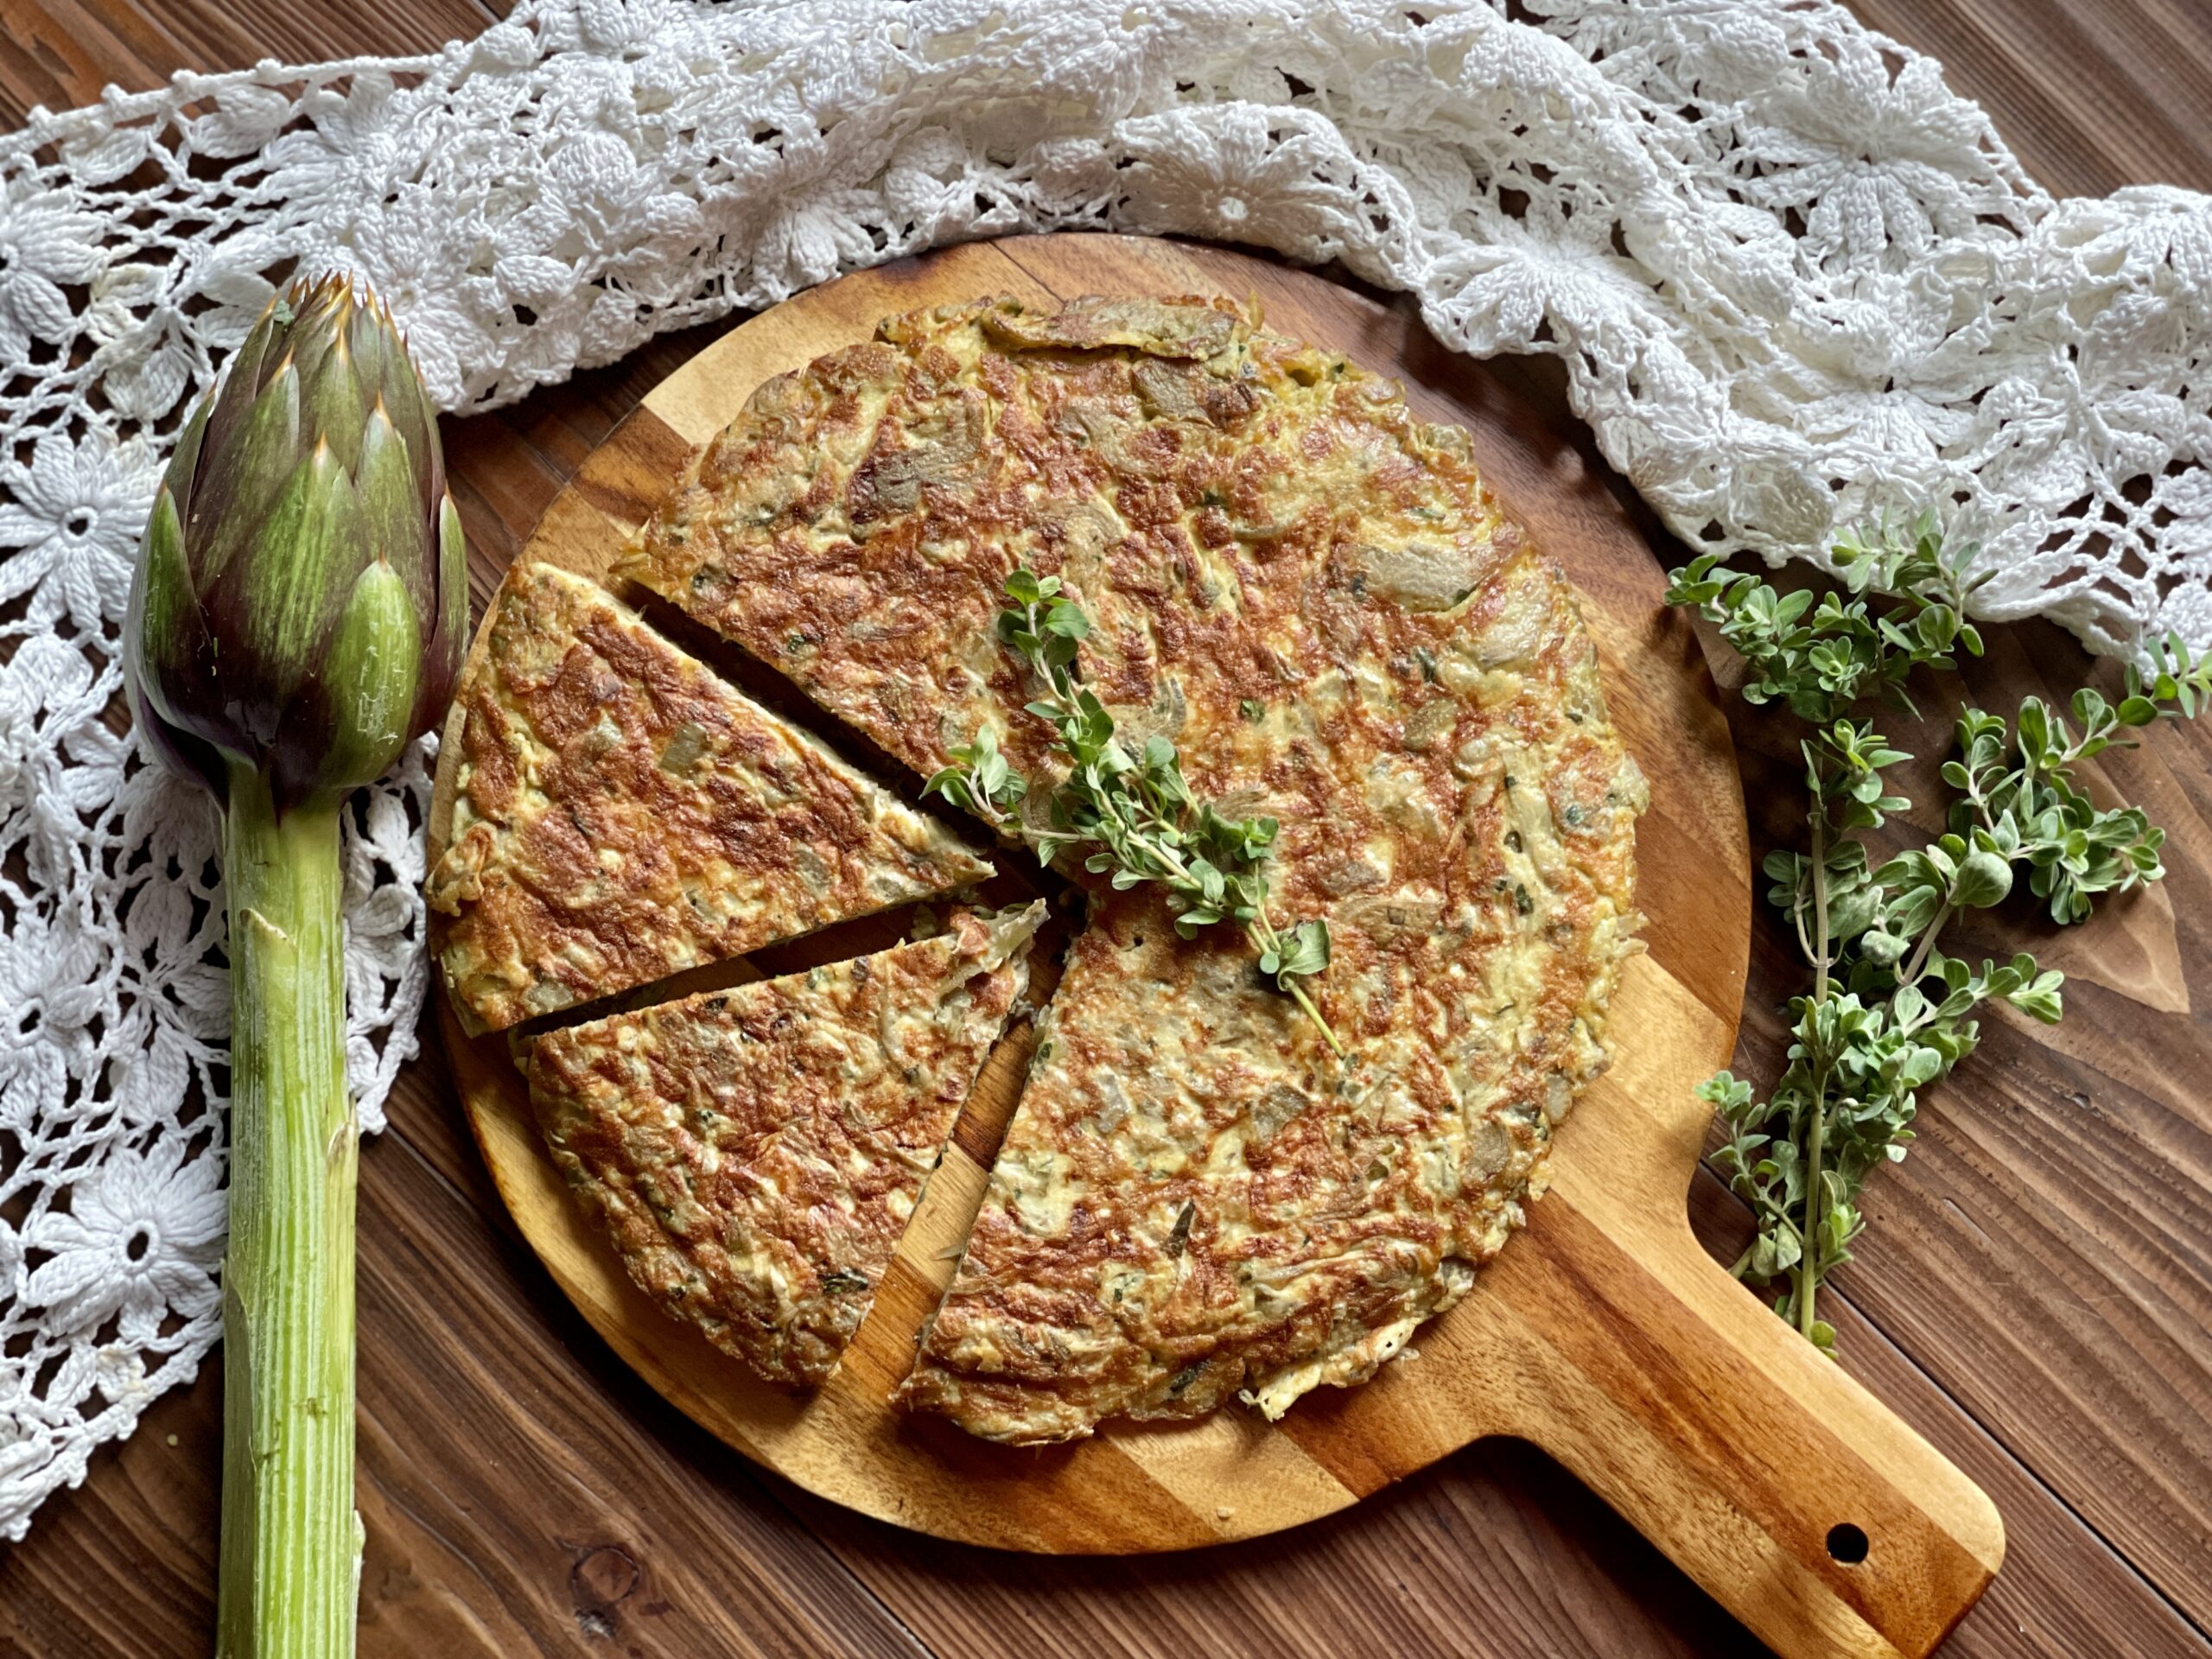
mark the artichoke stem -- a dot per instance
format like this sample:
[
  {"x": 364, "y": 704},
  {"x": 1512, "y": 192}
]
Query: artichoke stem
[{"x": 291, "y": 1541}]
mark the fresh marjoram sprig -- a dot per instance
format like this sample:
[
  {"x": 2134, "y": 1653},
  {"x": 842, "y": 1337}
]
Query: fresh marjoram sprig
[
  {"x": 1889, "y": 1013},
  {"x": 297, "y": 619},
  {"x": 1135, "y": 813}
]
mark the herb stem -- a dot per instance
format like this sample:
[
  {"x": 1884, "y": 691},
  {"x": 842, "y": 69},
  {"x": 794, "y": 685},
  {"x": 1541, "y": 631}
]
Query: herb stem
[
  {"x": 1820, "y": 904},
  {"x": 1920, "y": 951},
  {"x": 1808, "y": 1271},
  {"x": 1265, "y": 939},
  {"x": 1808, "y": 1259},
  {"x": 1135, "y": 811}
]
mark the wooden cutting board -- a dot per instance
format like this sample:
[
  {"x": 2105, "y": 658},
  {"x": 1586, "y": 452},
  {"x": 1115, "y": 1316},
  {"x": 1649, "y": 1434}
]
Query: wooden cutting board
[{"x": 1604, "y": 1334}]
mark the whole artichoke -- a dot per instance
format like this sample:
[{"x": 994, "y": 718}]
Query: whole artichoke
[
  {"x": 300, "y": 606},
  {"x": 298, "y": 618}
]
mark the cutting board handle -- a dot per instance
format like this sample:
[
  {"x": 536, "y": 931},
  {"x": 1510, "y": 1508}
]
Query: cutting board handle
[{"x": 1771, "y": 1478}]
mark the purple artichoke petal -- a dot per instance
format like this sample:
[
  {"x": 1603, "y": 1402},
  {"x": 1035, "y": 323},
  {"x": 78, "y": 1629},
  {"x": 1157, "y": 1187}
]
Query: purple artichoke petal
[{"x": 300, "y": 604}]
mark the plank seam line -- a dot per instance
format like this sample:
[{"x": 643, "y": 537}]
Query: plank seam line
[
  {"x": 2033, "y": 1475},
  {"x": 770, "y": 1481}
]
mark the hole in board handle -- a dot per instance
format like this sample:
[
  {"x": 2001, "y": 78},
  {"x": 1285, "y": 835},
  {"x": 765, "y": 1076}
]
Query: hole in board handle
[{"x": 1847, "y": 1544}]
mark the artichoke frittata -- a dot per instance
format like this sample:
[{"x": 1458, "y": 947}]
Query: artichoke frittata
[
  {"x": 755, "y": 1154},
  {"x": 621, "y": 814},
  {"x": 1314, "y": 595}
]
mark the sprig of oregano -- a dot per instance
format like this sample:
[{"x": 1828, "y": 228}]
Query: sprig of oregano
[
  {"x": 1135, "y": 813},
  {"x": 1889, "y": 1013}
]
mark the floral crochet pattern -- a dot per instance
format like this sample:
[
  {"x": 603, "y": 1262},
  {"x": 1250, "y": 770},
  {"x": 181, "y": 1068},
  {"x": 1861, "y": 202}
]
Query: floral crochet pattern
[{"x": 1793, "y": 279}]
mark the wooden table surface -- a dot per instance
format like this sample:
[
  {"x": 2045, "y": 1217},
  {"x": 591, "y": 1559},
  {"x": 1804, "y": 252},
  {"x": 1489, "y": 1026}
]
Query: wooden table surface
[{"x": 2036, "y": 1296}]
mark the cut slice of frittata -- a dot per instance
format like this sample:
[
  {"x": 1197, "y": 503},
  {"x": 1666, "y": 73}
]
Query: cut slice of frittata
[
  {"x": 755, "y": 1154},
  {"x": 622, "y": 814}
]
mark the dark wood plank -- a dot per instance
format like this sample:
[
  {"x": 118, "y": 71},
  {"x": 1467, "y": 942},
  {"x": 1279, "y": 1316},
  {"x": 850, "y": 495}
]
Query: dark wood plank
[
  {"x": 60, "y": 52},
  {"x": 2034, "y": 1297},
  {"x": 2090, "y": 94},
  {"x": 2042, "y": 1255},
  {"x": 2064, "y": 1590}
]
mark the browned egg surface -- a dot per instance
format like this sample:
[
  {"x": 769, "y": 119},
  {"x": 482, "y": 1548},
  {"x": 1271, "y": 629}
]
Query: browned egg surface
[
  {"x": 1314, "y": 595},
  {"x": 620, "y": 814},
  {"x": 755, "y": 1154}
]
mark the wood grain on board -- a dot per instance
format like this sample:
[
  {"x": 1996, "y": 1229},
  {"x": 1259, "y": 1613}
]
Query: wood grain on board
[
  {"x": 1606, "y": 1336},
  {"x": 2035, "y": 1298}
]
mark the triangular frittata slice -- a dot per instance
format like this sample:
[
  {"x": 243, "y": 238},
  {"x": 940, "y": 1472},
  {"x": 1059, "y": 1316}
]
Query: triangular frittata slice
[
  {"x": 755, "y": 1154},
  {"x": 622, "y": 814}
]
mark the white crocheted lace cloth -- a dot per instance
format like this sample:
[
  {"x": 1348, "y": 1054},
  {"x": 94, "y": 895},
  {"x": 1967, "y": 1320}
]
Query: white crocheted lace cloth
[{"x": 1794, "y": 280}]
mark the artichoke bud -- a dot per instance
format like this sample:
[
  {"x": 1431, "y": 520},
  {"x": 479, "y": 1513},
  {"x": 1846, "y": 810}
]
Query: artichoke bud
[{"x": 300, "y": 604}]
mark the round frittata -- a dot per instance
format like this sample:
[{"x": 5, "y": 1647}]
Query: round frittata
[{"x": 1310, "y": 593}]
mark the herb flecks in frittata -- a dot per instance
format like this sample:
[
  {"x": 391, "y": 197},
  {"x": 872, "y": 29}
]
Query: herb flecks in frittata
[
  {"x": 754, "y": 1155},
  {"x": 621, "y": 814},
  {"x": 1135, "y": 811},
  {"x": 875, "y": 504},
  {"x": 1889, "y": 1013}
]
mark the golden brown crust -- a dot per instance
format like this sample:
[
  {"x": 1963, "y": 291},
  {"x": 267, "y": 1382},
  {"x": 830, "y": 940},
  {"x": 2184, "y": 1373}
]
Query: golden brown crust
[
  {"x": 621, "y": 814},
  {"x": 1314, "y": 596},
  {"x": 754, "y": 1154}
]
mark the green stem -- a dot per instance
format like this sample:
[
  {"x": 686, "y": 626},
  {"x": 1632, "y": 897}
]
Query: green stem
[
  {"x": 1808, "y": 1272},
  {"x": 1811, "y": 1244},
  {"x": 1261, "y": 932},
  {"x": 1913, "y": 969},
  {"x": 1809, "y": 1241},
  {"x": 291, "y": 1541},
  {"x": 1820, "y": 904}
]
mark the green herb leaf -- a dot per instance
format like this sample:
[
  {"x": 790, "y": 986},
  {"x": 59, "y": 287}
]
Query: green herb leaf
[
  {"x": 1889, "y": 1014},
  {"x": 1133, "y": 817},
  {"x": 980, "y": 780}
]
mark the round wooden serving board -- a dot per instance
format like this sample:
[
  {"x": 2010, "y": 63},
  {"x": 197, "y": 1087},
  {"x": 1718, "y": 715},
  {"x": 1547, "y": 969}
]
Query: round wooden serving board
[{"x": 1603, "y": 1333}]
